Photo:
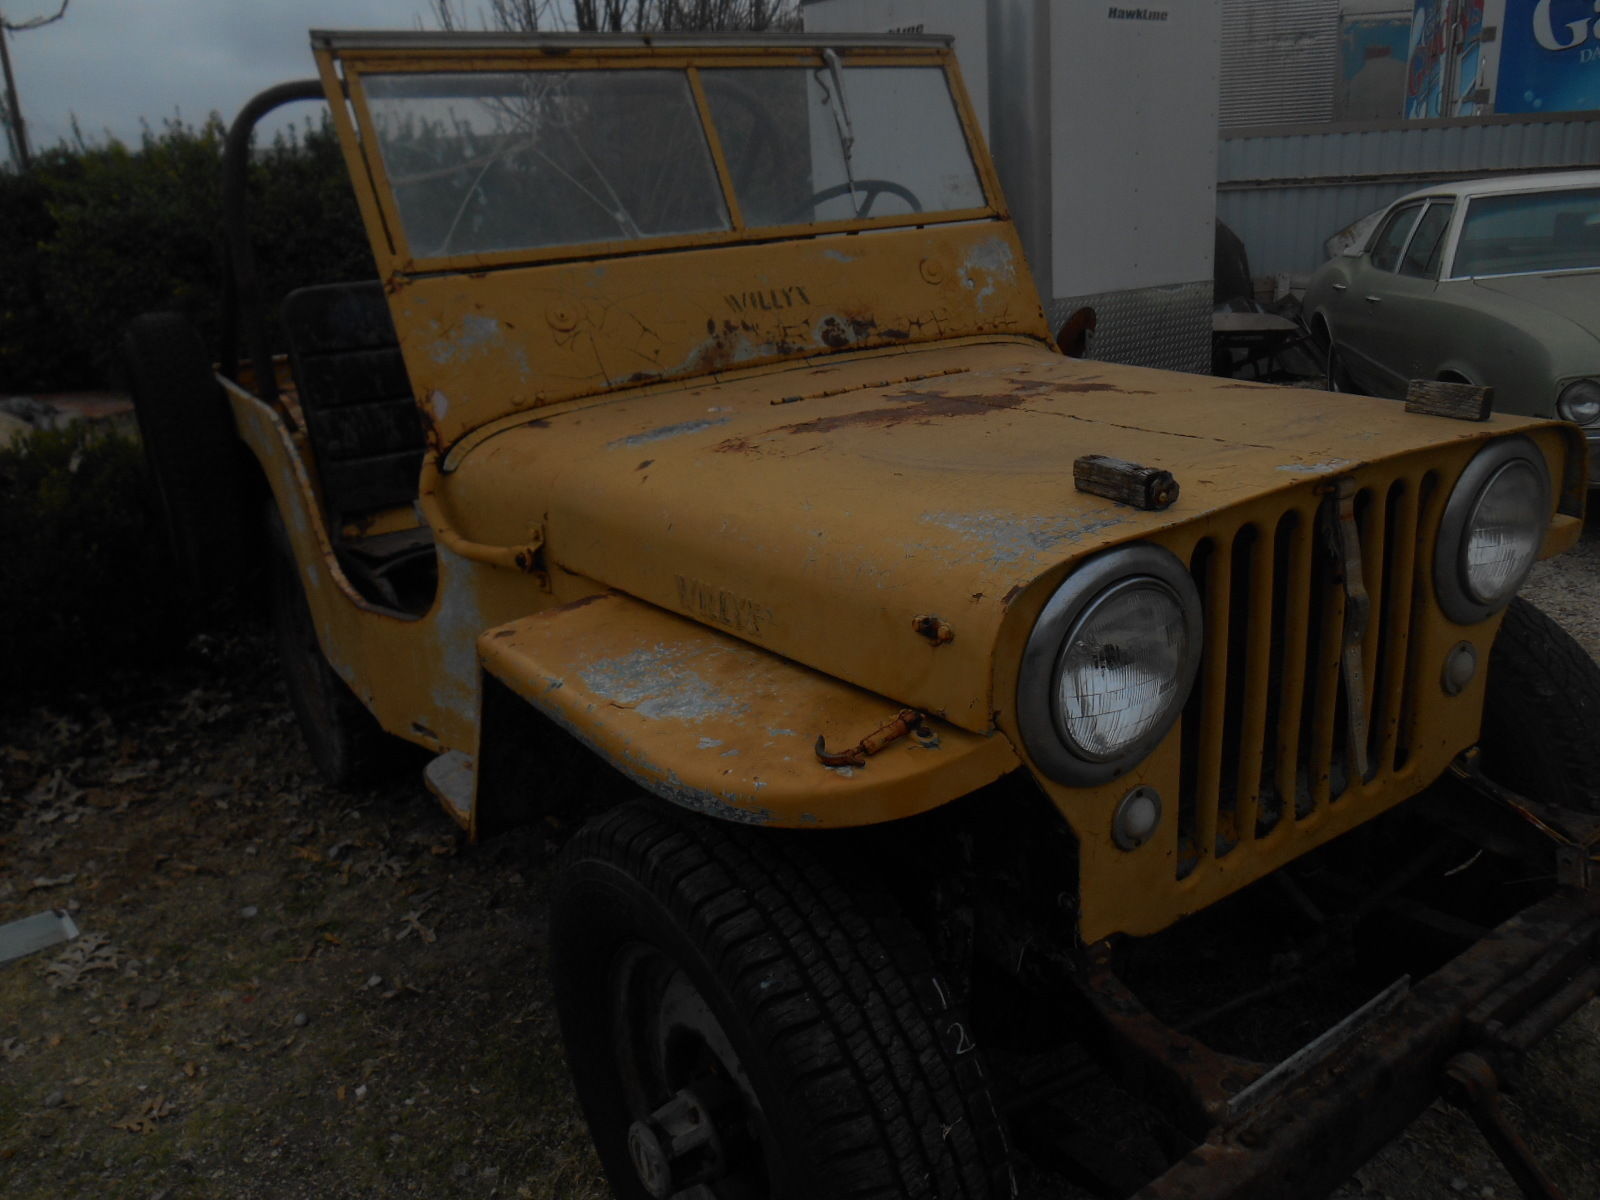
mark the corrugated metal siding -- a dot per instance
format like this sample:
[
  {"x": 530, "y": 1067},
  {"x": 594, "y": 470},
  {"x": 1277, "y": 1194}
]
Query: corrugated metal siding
[
  {"x": 1285, "y": 192},
  {"x": 1278, "y": 61}
]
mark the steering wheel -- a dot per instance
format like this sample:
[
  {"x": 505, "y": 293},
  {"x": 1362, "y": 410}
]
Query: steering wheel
[{"x": 873, "y": 189}]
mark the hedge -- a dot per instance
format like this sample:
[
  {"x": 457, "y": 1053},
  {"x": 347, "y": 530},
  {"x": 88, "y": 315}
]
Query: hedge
[
  {"x": 96, "y": 233},
  {"x": 86, "y": 586}
]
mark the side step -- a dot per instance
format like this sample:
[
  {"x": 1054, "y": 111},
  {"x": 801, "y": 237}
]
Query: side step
[{"x": 452, "y": 778}]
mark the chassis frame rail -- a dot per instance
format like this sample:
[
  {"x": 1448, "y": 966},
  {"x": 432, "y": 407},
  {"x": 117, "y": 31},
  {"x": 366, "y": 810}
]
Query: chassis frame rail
[{"x": 1337, "y": 1103}]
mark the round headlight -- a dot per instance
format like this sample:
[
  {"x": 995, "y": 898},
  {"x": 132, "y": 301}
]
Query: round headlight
[
  {"x": 1580, "y": 402},
  {"x": 1120, "y": 668},
  {"x": 1109, "y": 664},
  {"x": 1504, "y": 529},
  {"x": 1493, "y": 527}
]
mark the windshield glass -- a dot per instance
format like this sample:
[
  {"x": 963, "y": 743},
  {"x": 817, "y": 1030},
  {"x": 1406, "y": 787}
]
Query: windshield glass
[
  {"x": 490, "y": 162},
  {"x": 483, "y": 162},
  {"x": 807, "y": 145},
  {"x": 1531, "y": 232}
]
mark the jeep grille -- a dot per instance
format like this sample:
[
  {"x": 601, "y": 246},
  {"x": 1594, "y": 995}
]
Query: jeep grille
[{"x": 1265, "y": 734}]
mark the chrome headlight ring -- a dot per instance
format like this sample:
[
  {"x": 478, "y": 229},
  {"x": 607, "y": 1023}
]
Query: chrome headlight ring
[
  {"x": 1579, "y": 402},
  {"x": 1090, "y": 594},
  {"x": 1506, "y": 484}
]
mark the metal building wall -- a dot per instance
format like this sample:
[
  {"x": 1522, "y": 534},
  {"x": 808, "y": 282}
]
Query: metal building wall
[
  {"x": 1279, "y": 61},
  {"x": 1287, "y": 190}
]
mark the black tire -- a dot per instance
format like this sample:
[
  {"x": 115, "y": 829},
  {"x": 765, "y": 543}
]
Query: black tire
[
  {"x": 193, "y": 453},
  {"x": 851, "y": 1073},
  {"x": 1338, "y": 375},
  {"x": 1541, "y": 715},
  {"x": 346, "y": 742}
]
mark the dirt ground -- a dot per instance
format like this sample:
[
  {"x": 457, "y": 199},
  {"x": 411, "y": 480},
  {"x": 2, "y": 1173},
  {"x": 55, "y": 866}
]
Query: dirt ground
[{"x": 286, "y": 991}]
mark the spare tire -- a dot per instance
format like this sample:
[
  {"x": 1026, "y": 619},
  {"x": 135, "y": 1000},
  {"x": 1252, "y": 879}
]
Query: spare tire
[{"x": 195, "y": 458}]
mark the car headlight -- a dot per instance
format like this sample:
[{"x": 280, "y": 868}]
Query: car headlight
[
  {"x": 1109, "y": 665},
  {"x": 1493, "y": 527},
  {"x": 1580, "y": 402}
]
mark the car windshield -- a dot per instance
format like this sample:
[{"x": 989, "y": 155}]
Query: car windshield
[
  {"x": 489, "y": 162},
  {"x": 1530, "y": 232},
  {"x": 828, "y": 145}
]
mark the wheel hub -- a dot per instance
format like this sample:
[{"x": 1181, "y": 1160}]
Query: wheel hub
[
  {"x": 649, "y": 1159},
  {"x": 679, "y": 1146}
]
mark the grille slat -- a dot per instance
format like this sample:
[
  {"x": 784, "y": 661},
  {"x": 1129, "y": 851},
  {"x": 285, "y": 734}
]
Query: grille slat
[
  {"x": 1374, "y": 535},
  {"x": 1295, "y": 638},
  {"x": 1257, "y": 680},
  {"x": 1214, "y": 685},
  {"x": 1266, "y": 732},
  {"x": 1396, "y": 623},
  {"x": 1326, "y": 694}
]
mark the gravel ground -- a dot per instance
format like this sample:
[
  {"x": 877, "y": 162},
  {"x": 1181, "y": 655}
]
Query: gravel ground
[
  {"x": 284, "y": 991},
  {"x": 1568, "y": 588}
]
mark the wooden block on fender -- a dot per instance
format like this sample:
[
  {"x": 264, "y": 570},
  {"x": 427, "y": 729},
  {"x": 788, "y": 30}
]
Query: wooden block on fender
[{"x": 1463, "y": 401}]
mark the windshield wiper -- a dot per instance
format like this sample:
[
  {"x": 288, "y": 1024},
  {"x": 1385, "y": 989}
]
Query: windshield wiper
[{"x": 841, "y": 121}]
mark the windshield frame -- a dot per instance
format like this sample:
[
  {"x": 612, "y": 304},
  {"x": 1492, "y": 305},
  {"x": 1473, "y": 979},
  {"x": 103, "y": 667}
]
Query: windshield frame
[
  {"x": 356, "y": 65},
  {"x": 1459, "y": 224}
]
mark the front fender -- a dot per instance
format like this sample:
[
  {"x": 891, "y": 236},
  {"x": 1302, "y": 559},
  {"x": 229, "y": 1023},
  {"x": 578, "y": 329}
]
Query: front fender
[{"x": 715, "y": 724}]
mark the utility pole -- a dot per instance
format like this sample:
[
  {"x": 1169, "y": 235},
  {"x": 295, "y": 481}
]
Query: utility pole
[{"x": 16, "y": 131}]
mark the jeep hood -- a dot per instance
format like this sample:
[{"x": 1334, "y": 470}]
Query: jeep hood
[{"x": 819, "y": 511}]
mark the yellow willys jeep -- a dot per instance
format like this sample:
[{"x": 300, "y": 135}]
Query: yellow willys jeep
[{"x": 703, "y": 422}]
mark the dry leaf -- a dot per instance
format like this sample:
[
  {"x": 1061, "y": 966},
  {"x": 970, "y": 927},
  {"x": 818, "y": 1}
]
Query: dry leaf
[
  {"x": 143, "y": 1119},
  {"x": 412, "y": 923},
  {"x": 91, "y": 952}
]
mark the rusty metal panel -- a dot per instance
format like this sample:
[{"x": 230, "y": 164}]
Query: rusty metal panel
[
  {"x": 1287, "y": 190},
  {"x": 715, "y": 724},
  {"x": 1279, "y": 61},
  {"x": 479, "y": 346}
]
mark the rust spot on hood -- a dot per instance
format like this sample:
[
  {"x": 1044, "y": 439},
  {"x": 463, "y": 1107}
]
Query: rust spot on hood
[{"x": 920, "y": 407}]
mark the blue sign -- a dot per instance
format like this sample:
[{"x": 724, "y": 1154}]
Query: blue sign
[
  {"x": 1446, "y": 50},
  {"x": 1425, "y": 69},
  {"x": 1549, "y": 57}
]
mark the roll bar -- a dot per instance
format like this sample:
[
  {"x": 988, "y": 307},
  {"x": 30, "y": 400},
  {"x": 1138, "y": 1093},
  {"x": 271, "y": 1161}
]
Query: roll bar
[{"x": 241, "y": 293}]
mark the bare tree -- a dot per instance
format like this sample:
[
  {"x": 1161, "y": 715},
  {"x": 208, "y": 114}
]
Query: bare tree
[
  {"x": 497, "y": 14},
  {"x": 16, "y": 131},
  {"x": 620, "y": 16}
]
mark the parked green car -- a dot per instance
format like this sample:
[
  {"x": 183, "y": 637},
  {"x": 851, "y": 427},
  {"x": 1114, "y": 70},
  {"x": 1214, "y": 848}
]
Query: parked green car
[{"x": 1486, "y": 281}]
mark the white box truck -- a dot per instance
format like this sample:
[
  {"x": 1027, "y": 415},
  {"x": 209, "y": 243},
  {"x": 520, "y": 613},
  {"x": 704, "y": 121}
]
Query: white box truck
[{"x": 1103, "y": 122}]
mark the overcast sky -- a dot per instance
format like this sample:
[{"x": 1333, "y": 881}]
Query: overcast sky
[{"x": 114, "y": 61}]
